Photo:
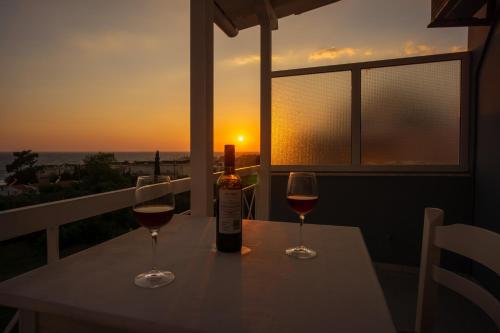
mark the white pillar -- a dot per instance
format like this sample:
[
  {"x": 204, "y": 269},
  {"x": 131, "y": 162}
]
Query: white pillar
[
  {"x": 202, "y": 91},
  {"x": 264, "y": 187}
]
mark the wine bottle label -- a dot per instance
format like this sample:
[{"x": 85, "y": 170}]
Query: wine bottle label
[{"x": 229, "y": 211}]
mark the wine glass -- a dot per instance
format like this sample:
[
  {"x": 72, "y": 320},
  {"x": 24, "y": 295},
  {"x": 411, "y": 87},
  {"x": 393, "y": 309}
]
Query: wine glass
[
  {"x": 302, "y": 195},
  {"x": 153, "y": 207}
]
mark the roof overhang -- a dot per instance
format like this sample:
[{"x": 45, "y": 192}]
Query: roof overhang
[
  {"x": 460, "y": 13},
  {"x": 231, "y": 16}
]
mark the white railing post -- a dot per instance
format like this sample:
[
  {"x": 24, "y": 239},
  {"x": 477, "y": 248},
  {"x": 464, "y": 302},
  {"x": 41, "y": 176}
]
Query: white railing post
[
  {"x": 249, "y": 205},
  {"x": 12, "y": 323},
  {"x": 356, "y": 116},
  {"x": 264, "y": 186},
  {"x": 52, "y": 244},
  {"x": 201, "y": 70}
]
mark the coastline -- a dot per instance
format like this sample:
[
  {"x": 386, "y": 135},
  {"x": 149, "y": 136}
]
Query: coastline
[{"x": 139, "y": 163}]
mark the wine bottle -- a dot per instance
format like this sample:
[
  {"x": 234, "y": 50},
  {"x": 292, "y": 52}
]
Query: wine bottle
[{"x": 229, "y": 227}]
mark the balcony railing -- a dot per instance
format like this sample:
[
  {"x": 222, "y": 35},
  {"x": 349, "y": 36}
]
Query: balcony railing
[{"x": 50, "y": 216}]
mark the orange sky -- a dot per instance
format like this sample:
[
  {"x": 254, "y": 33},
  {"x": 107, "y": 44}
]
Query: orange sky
[{"x": 93, "y": 76}]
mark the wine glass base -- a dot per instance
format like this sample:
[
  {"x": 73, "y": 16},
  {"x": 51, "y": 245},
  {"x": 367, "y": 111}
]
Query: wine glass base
[
  {"x": 301, "y": 252},
  {"x": 154, "y": 279}
]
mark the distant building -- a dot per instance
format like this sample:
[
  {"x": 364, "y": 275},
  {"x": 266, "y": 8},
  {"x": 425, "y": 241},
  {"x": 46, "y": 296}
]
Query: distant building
[
  {"x": 174, "y": 169},
  {"x": 15, "y": 189}
]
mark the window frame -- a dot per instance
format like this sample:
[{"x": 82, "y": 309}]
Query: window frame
[{"x": 355, "y": 68}]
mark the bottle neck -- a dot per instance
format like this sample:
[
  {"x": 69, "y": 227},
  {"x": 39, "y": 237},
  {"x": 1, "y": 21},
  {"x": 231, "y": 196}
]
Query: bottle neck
[
  {"x": 229, "y": 161},
  {"x": 229, "y": 169}
]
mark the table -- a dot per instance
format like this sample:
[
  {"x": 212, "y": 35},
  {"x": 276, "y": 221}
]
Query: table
[{"x": 262, "y": 291}]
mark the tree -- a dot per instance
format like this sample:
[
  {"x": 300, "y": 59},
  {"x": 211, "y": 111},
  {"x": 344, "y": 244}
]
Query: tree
[
  {"x": 157, "y": 164},
  {"x": 99, "y": 161},
  {"x": 98, "y": 174},
  {"x": 23, "y": 167}
]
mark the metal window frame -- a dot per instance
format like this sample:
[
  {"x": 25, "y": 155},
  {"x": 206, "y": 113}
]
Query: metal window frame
[{"x": 355, "y": 68}]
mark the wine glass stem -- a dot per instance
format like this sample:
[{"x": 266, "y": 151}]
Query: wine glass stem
[
  {"x": 301, "y": 216},
  {"x": 154, "y": 238}
]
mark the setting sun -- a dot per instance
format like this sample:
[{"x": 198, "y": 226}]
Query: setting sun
[{"x": 241, "y": 138}]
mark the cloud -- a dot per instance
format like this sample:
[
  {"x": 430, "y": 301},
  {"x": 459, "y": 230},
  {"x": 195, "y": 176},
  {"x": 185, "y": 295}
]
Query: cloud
[
  {"x": 368, "y": 53},
  {"x": 299, "y": 57},
  {"x": 332, "y": 53},
  {"x": 411, "y": 49},
  {"x": 114, "y": 41},
  {"x": 251, "y": 59},
  {"x": 458, "y": 49},
  {"x": 245, "y": 60}
]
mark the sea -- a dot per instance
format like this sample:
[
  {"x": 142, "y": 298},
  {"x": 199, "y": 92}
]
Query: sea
[{"x": 59, "y": 158}]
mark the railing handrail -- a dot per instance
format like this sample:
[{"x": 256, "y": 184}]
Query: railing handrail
[
  {"x": 245, "y": 171},
  {"x": 24, "y": 220},
  {"x": 372, "y": 64}
]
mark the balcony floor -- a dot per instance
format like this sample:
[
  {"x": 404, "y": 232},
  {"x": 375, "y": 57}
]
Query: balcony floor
[{"x": 455, "y": 314}]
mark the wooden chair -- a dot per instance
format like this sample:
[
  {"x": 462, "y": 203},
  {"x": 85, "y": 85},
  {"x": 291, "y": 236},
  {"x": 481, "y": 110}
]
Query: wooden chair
[{"x": 480, "y": 245}]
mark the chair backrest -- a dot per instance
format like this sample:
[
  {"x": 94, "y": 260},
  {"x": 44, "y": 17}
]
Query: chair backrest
[{"x": 478, "y": 244}]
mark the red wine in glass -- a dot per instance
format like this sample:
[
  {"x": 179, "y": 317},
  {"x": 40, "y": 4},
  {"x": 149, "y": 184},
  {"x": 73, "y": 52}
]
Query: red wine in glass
[
  {"x": 302, "y": 204},
  {"x": 153, "y": 216}
]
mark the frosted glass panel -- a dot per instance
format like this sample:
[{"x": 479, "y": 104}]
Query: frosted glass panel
[
  {"x": 311, "y": 119},
  {"x": 410, "y": 115}
]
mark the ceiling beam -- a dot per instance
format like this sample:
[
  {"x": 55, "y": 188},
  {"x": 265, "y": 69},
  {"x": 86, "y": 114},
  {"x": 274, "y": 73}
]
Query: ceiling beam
[
  {"x": 223, "y": 22},
  {"x": 265, "y": 12}
]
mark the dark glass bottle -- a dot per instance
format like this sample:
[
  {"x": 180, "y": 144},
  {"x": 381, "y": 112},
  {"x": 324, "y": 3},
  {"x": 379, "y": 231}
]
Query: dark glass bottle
[{"x": 229, "y": 227}]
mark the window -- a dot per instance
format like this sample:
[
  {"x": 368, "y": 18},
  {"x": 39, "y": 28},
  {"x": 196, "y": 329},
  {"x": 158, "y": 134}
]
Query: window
[
  {"x": 405, "y": 114},
  {"x": 311, "y": 119},
  {"x": 410, "y": 114}
]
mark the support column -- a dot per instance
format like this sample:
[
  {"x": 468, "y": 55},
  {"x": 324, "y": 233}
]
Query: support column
[
  {"x": 202, "y": 92},
  {"x": 264, "y": 187}
]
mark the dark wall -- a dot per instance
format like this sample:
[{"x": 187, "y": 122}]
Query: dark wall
[
  {"x": 487, "y": 168},
  {"x": 389, "y": 209}
]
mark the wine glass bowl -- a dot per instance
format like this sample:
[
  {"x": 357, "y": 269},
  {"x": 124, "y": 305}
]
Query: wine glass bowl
[
  {"x": 302, "y": 204},
  {"x": 302, "y": 196},
  {"x": 154, "y": 205}
]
